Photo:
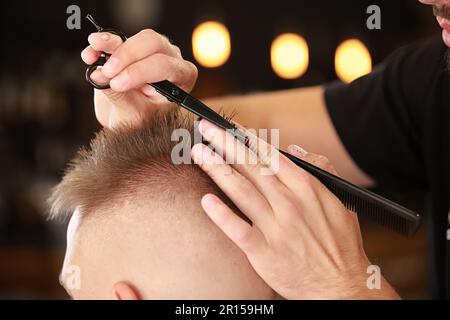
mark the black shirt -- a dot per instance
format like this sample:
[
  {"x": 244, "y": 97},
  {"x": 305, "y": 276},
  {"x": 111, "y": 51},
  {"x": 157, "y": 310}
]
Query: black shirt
[{"x": 395, "y": 123}]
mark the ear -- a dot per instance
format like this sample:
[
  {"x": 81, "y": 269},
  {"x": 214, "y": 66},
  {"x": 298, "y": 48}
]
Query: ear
[{"x": 124, "y": 291}]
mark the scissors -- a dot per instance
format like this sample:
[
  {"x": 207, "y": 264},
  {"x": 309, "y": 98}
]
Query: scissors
[
  {"x": 169, "y": 90},
  {"x": 357, "y": 199}
]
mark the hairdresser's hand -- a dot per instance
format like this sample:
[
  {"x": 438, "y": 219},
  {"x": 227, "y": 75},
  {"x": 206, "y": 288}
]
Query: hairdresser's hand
[
  {"x": 303, "y": 242},
  {"x": 144, "y": 58}
]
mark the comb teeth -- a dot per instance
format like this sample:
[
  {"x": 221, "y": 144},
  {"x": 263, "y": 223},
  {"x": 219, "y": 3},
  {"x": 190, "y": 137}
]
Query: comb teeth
[
  {"x": 364, "y": 202},
  {"x": 373, "y": 210}
]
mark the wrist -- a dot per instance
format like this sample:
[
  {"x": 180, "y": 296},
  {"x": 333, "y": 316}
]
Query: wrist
[
  {"x": 356, "y": 284},
  {"x": 366, "y": 286}
]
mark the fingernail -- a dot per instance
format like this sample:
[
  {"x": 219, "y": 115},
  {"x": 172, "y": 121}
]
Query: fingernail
[
  {"x": 297, "y": 151},
  {"x": 121, "y": 81},
  {"x": 207, "y": 129},
  {"x": 99, "y": 35},
  {"x": 111, "y": 66},
  {"x": 209, "y": 202}
]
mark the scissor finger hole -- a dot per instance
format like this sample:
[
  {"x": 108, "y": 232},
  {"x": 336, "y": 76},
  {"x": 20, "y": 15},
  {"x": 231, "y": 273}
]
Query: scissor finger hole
[{"x": 95, "y": 77}]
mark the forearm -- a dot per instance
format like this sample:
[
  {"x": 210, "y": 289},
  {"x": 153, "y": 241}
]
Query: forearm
[
  {"x": 272, "y": 110},
  {"x": 301, "y": 117}
]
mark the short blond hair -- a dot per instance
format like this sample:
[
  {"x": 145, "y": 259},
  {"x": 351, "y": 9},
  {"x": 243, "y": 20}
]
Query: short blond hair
[{"x": 120, "y": 161}]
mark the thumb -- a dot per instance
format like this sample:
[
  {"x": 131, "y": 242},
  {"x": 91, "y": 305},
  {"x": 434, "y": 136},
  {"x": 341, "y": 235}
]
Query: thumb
[
  {"x": 315, "y": 159},
  {"x": 111, "y": 109}
]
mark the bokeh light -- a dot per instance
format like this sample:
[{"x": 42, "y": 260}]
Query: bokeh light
[
  {"x": 211, "y": 44},
  {"x": 289, "y": 56},
  {"x": 352, "y": 60}
]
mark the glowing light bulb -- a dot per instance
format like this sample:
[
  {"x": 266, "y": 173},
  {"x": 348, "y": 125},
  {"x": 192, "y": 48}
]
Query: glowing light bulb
[
  {"x": 289, "y": 56},
  {"x": 352, "y": 60},
  {"x": 211, "y": 44}
]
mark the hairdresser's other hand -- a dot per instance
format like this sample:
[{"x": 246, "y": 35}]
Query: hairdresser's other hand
[
  {"x": 144, "y": 58},
  {"x": 303, "y": 242}
]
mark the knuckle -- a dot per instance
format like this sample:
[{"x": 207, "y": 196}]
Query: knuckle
[
  {"x": 149, "y": 34},
  {"x": 207, "y": 167},
  {"x": 176, "y": 49},
  {"x": 323, "y": 159},
  {"x": 192, "y": 68},
  {"x": 218, "y": 140},
  {"x": 290, "y": 207},
  {"x": 319, "y": 160},
  {"x": 116, "y": 40},
  {"x": 165, "y": 39},
  {"x": 275, "y": 160},
  {"x": 244, "y": 238},
  {"x": 255, "y": 169},
  {"x": 129, "y": 73},
  {"x": 155, "y": 39},
  {"x": 245, "y": 188},
  {"x": 306, "y": 184},
  {"x": 324, "y": 163},
  {"x": 179, "y": 68},
  {"x": 215, "y": 168}
]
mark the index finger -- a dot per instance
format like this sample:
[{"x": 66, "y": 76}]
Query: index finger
[
  {"x": 272, "y": 161},
  {"x": 140, "y": 46},
  {"x": 239, "y": 190}
]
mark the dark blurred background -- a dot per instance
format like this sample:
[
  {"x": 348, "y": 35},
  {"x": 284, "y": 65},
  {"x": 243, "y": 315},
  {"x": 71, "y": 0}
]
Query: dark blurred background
[{"x": 46, "y": 108}]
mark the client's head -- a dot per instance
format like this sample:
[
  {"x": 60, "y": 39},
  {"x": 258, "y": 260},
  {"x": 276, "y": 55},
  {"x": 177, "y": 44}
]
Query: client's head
[{"x": 137, "y": 229}]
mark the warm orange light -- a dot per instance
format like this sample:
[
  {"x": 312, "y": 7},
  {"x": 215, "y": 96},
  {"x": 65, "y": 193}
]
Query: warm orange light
[
  {"x": 289, "y": 56},
  {"x": 211, "y": 44},
  {"x": 352, "y": 60}
]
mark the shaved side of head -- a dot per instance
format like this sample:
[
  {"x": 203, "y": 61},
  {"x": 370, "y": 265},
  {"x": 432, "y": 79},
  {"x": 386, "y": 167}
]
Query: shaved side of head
[{"x": 141, "y": 220}]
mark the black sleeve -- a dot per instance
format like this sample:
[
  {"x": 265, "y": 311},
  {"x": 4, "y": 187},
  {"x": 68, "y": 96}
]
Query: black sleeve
[{"x": 380, "y": 117}]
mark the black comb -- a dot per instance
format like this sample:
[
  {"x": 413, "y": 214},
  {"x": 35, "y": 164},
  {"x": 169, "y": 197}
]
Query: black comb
[{"x": 364, "y": 202}]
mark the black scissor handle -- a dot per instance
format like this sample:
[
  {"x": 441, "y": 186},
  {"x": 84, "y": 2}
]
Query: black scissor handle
[{"x": 102, "y": 60}]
